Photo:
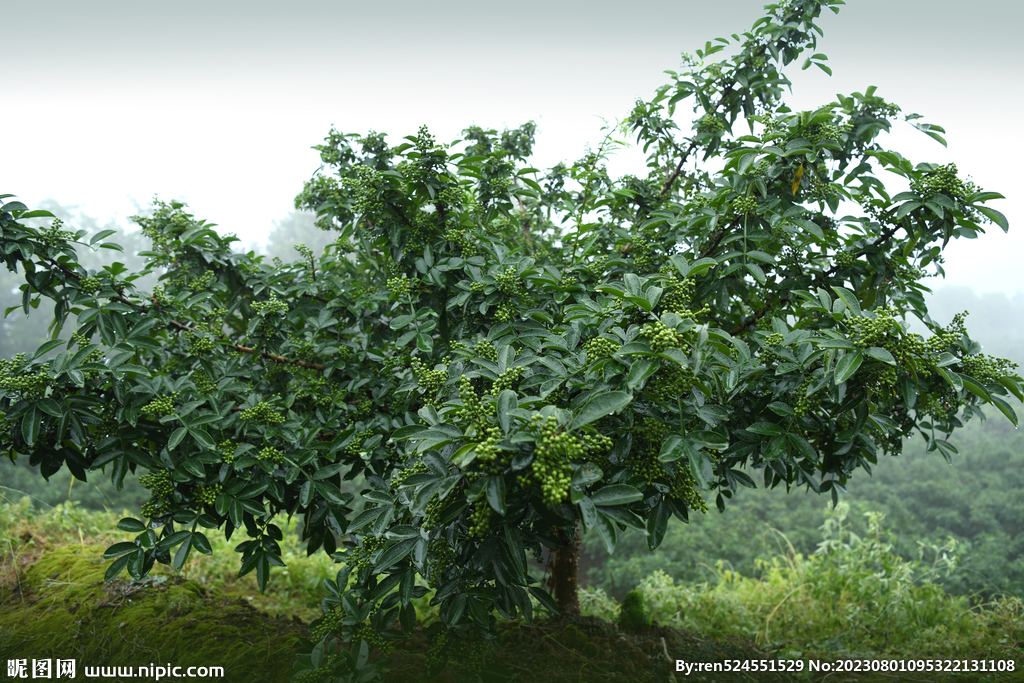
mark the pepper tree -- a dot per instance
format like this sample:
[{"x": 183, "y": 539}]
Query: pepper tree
[{"x": 509, "y": 355}]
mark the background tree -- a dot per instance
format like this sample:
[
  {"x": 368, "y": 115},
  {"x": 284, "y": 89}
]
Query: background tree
[{"x": 505, "y": 354}]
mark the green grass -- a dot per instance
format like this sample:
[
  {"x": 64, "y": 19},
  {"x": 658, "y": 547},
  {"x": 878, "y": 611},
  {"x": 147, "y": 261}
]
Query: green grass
[{"x": 853, "y": 597}]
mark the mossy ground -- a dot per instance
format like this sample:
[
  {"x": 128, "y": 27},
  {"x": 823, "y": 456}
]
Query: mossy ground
[{"x": 60, "y": 607}]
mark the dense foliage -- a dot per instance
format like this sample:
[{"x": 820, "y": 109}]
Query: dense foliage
[{"x": 503, "y": 353}]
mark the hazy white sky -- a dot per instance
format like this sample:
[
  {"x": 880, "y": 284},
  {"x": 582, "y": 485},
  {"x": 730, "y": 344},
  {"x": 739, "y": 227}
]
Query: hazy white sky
[{"x": 219, "y": 103}]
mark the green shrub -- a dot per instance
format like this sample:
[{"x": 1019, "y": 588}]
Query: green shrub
[{"x": 634, "y": 615}]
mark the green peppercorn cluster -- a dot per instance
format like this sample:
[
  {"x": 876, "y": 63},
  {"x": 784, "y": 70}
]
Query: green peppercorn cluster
[
  {"x": 401, "y": 286},
  {"x": 161, "y": 406},
  {"x": 262, "y": 413},
  {"x": 804, "y": 404},
  {"x": 554, "y": 453},
  {"x": 226, "y": 448},
  {"x": 488, "y": 455},
  {"x": 271, "y": 307},
  {"x": 437, "y": 655},
  {"x": 597, "y": 267},
  {"x": 485, "y": 349},
  {"x": 318, "y": 390},
  {"x": 774, "y": 339},
  {"x": 431, "y": 380},
  {"x": 825, "y": 132},
  {"x": 199, "y": 344},
  {"x": 31, "y": 385},
  {"x": 322, "y": 674},
  {"x": 642, "y": 250},
  {"x": 758, "y": 62},
  {"x": 599, "y": 347},
  {"x": 359, "y": 557},
  {"x": 272, "y": 454},
  {"x": 711, "y": 124},
  {"x": 508, "y": 282},
  {"x": 372, "y": 638},
  {"x": 676, "y": 297},
  {"x": 203, "y": 282},
  {"x": 207, "y": 494},
  {"x": 943, "y": 180},
  {"x": 662, "y": 337},
  {"x": 845, "y": 258},
  {"x": 367, "y": 186},
  {"x": 161, "y": 486},
  {"x": 648, "y": 436},
  {"x": 477, "y": 287},
  {"x": 473, "y": 410},
  {"x": 440, "y": 555},
  {"x": 714, "y": 71},
  {"x": 745, "y": 203},
  {"x": 160, "y": 296},
  {"x": 671, "y": 382},
  {"x": 159, "y": 482},
  {"x": 203, "y": 383},
  {"x": 987, "y": 368},
  {"x": 90, "y": 284},
  {"x": 480, "y": 518},
  {"x": 356, "y": 446},
  {"x": 506, "y": 312},
  {"x": 399, "y": 476},
  {"x": 596, "y": 444},
  {"x": 327, "y": 624},
  {"x": 507, "y": 379},
  {"x": 53, "y": 236},
  {"x": 469, "y": 653}
]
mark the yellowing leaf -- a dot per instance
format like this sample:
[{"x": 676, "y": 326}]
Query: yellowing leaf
[{"x": 797, "y": 176}]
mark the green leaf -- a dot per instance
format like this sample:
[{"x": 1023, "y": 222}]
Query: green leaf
[
  {"x": 394, "y": 554},
  {"x": 30, "y": 425},
  {"x": 201, "y": 543},
  {"x": 176, "y": 436},
  {"x": 672, "y": 448},
  {"x": 640, "y": 370},
  {"x": 131, "y": 524},
  {"x": 116, "y": 567},
  {"x": 601, "y": 405},
  {"x": 330, "y": 493},
  {"x": 506, "y": 403},
  {"x": 120, "y": 549},
  {"x": 995, "y": 216},
  {"x": 850, "y": 299},
  {"x": 657, "y": 524},
  {"x": 702, "y": 466},
  {"x": 848, "y": 365},
  {"x": 616, "y": 494},
  {"x": 881, "y": 354},
  {"x": 516, "y": 550},
  {"x": 181, "y": 556},
  {"x": 496, "y": 493},
  {"x": 701, "y": 266},
  {"x": 766, "y": 429},
  {"x": 803, "y": 447},
  {"x": 544, "y": 599},
  {"x": 402, "y": 321}
]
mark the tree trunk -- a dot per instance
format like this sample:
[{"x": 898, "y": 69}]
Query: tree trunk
[{"x": 565, "y": 574}]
